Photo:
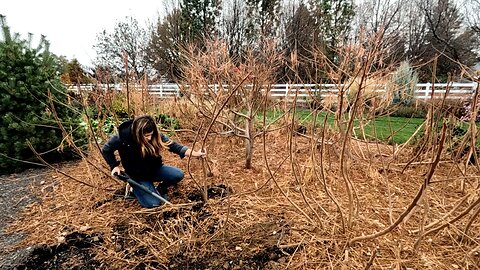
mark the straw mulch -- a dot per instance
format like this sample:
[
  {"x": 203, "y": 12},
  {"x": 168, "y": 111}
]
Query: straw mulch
[{"x": 253, "y": 221}]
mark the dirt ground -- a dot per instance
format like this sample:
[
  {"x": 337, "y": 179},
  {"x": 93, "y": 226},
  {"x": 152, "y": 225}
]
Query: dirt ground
[
  {"x": 20, "y": 191},
  {"x": 15, "y": 194}
]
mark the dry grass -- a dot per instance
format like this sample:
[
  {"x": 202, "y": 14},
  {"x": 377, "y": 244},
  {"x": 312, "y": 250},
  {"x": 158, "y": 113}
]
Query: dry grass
[{"x": 255, "y": 220}]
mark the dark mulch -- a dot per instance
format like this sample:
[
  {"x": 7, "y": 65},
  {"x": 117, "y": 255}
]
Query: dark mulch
[{"x": 73, "y": 253}]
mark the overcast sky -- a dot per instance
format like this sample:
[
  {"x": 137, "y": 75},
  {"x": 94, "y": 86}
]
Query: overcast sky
[{"x": 72, "y": 26}]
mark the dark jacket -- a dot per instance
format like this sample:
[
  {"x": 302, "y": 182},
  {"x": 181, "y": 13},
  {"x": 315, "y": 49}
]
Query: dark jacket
[{"x": 138, "y": 167}]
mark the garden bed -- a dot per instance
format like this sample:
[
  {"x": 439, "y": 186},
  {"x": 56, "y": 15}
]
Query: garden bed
[{"x": 254, "y": 221}]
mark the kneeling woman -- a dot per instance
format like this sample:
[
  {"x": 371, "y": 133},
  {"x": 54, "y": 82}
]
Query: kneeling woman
[{"x": 139, "y": 143}]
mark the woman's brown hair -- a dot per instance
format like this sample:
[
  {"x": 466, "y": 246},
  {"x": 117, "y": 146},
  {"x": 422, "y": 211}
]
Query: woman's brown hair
[{"x": 143, "y": 125}]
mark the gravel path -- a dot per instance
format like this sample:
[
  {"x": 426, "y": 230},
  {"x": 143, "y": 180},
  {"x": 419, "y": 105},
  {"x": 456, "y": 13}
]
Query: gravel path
[{"x": 15, "y": 194}]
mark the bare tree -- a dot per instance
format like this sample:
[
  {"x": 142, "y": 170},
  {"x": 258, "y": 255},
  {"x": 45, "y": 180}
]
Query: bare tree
[
  {"x": 128, "y": 42},
  {"x": 446, "y": 38},
  {"x": 377, "y": 15},
  {"x": 472, "y": 15},
  {"x": 164, "y": 47},
  {"x": 384, "y": 18},
  {"x": 415, "y": 31}
]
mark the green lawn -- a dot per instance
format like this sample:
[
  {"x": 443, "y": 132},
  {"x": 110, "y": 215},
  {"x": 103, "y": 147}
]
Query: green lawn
[
  {"x": 385, "y": 128},
  {"x": 392, "y": 129},
  {"x": 389, "y": 129}
]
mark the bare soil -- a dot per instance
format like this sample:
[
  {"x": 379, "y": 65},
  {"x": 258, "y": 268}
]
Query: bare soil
[{"x": 15, "y": 194}]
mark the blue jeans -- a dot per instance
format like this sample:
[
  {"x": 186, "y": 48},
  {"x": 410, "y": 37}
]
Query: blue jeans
[{"x": 167, "y": 175}]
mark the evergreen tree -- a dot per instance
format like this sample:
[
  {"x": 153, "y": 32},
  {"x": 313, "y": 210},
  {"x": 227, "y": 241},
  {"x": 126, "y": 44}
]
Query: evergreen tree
[
  {"x": 334, "y": 21},
  {"x": 190, "y": 24},
  {"x": 300, "y": 46},
  {"x": 73, "y": 73},
  {"x": 27, "y": 76},
  {"x": 263, "y": 20},
  {"x": 199, "y": 19},
  {"x": 233, "y": 27}
]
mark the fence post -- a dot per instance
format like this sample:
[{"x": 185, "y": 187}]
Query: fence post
[
  {"x": 427, "y": 91},
  {"x": 161, "y": 89}
]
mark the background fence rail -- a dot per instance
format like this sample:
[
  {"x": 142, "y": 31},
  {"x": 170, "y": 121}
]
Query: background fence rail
[{"x": 423, "y": 91}]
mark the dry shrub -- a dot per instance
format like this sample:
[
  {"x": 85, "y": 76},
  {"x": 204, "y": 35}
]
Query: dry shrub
[
  {"x": 321, "y": 200},
  {"x": 139, "y": 100},
  {"x": 254, "y": 225},
  {"x": 455, "y": 107},
  {"x": 229, "y": 93},
  {"x": 376, "y": 93},
  {"x": 179, "y": 109},
  {"x": 330, "y": 102}
]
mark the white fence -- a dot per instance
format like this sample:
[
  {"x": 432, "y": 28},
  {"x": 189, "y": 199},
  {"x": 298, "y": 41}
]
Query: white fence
[
  {"x": 455, "y": 90},
  {"x": 423, "y": 91}
]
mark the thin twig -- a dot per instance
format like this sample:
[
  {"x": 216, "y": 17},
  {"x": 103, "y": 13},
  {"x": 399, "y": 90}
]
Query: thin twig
[
  {"x": 59, "y": 171},
  {"x": 470, "y": 222},
  {"x": 455, "y": 208},
  {"x": 453, "y": 220},
  {"x": 372, "y": 258},
  {"x": 322, "y": 173},
  {"x": 415, "y": 200},
  {"x": 293, "y": 161},
  {"x": 270, "y": 171}
]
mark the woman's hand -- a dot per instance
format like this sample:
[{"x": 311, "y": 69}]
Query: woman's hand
[
  {"x": 201, "y": 153},
  {"x": 116, "y": 170},
  {"x": 197, "y": 153}
]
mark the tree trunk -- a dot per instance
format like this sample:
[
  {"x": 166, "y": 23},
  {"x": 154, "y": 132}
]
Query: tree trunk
[
  {"x": 249, "y": 153},
  {"x": 249, "y": 143}
]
